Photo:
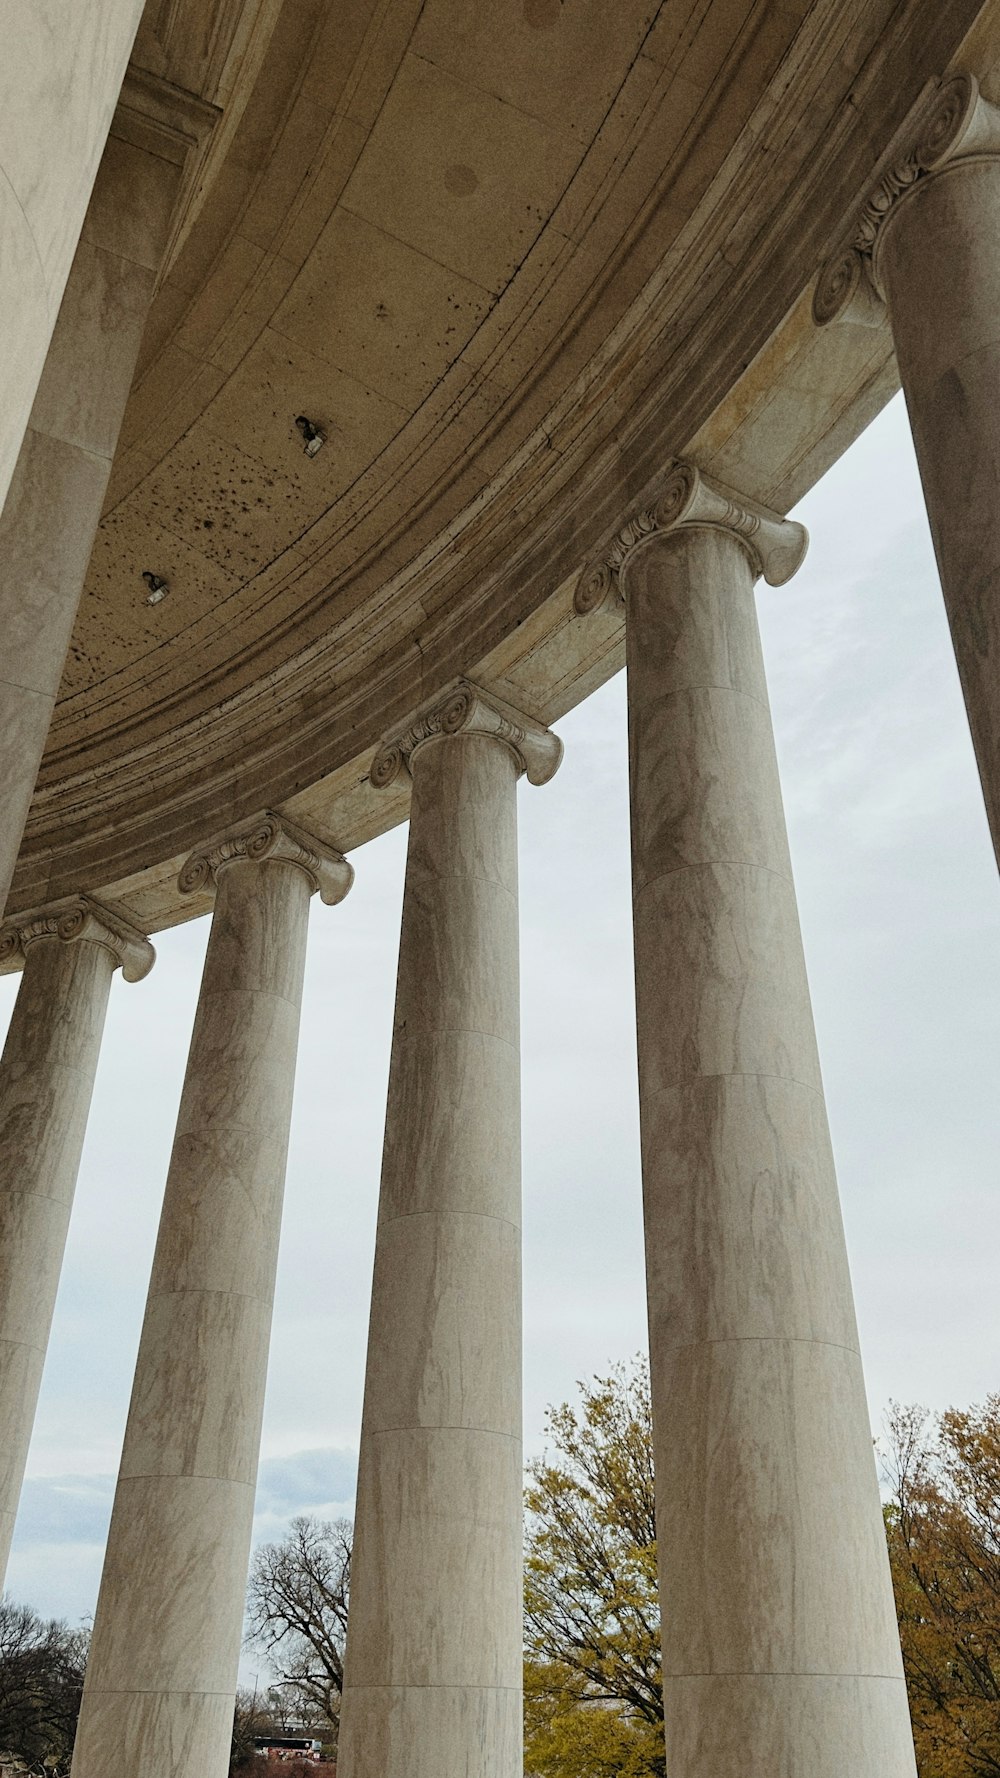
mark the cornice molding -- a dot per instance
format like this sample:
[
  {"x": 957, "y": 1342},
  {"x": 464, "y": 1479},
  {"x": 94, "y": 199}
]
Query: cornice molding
[
  {"x": 950, "y": 123},
  {"x": 689, "y": 499},
  {"x": 269, "y": 838},
  {"x": 167, "y": 120},
  {"x": 82, "y": 920},
  {"x": 467, "y": 710}
]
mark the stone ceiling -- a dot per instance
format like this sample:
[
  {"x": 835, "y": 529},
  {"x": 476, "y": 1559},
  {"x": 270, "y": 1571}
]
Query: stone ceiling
[{"x": 510, "y": 256}]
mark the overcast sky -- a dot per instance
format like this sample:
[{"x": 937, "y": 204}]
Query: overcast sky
[{"x": 900, "y": 909}]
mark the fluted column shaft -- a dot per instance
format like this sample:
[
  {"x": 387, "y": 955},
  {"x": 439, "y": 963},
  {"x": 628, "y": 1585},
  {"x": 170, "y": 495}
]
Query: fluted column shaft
[
  {"x": 780, "y": 1647},
  {"x": 433, "y": 1670},
  {"x": 46, "y": 1083},
  {"x": 161, "y": 1679}
]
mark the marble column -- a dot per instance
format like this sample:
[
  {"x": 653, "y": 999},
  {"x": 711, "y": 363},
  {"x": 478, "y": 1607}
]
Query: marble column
[
  {"x": 924, "y": 253},
  {"x": 63, "y": 68},
  {"x": 161, "y": 1679},
  {"x": 780, "y": 1648},
  {"x": 70, "y": 953},
  {"x": 433, "y": 1671},
  {"x": 49, "y": 520}
]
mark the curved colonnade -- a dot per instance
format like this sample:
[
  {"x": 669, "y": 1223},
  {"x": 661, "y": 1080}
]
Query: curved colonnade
[{"x": 415, "y": 368}]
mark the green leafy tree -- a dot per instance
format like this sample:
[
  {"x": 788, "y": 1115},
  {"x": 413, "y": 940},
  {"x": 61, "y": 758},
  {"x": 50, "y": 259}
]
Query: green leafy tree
[
  {"x": 943, "y": 1527},
  {"x": 593, "y": 1681}
]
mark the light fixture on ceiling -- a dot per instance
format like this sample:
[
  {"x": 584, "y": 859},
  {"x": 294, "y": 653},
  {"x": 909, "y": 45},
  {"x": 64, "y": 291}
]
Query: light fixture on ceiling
[
  {"x": 158, "y": 587},
  {"x": 314, "y": 438}
]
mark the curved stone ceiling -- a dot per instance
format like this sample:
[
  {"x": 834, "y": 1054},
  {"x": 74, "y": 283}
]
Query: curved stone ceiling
[{"x": 511, "y": 258}]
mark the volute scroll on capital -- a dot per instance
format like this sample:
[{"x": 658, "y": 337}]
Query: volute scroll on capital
[
  {"x": 269, "y": 837},
  {"x": 950, "y": 123},
  {"x": 85, "y": 920},
  {"x": 465, "y": 709},
  {"x": 688, "y": 499}
]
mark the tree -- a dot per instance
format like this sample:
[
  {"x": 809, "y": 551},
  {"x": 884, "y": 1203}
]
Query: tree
[
  {"x": 41, "y": 1683},
  {"x": 297, "y": 1615},
  {"x": 251, "y": 1717},
  {"x": 943, "y": 1525},
  {"x": 593, "y": 1681}
]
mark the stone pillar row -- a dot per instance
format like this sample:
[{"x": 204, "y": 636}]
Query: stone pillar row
[
  {"x": 780, "y": 1648},
  {"x": 435, "y": 1665},
  {"x": 780, "y": 1645}
]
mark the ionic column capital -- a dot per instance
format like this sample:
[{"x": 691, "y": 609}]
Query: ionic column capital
[
  {"x": 950, "y": 123},
  {"x": 80, "y": 920},
  {"x": 265, "y": 838},
  {"x": 688, "y": 499},
  {"x": 467, "y": 710}
]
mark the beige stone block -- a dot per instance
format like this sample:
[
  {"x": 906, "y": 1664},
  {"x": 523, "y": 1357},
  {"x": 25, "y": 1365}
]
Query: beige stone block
[
  {"x": 162, "y": 1734},
  {"x": 772, "y": 1552},
  {"x": 89, "y": 368},
  {"x": 227, "y": 1181},
  {"x": 704, "y": 752},
  {"x": 401, "y": 323},
  {"x": 439, "y": 1509},
  {"x": 804, "y": 1725},
  {"x": 28, "y": 322},
  {"x": 745, "y": 1237},
  {"x": 719, "y": 946},
  {"x": 234, "y": 269},
  {"x": 438, "y": 1355},
  {"x": 437, "y": 1157},
  {"x": 199, "y": 1390},
  {"x": 44, "y": 565},
  {"x": 451, "y": 974},
  {"x": 21, "y": 1365},
  {"x": 65, "y": 69},
  {"x": 32, "y": 1238},
  {"x": 493, "y": 173},
  {"x": 181, "y": 1544},
  {"x": 132, "y": 204},
  {"x": 563, "y": 64},
  {"x": 24, "y": 724},
  {"x": 405, "y": 1732},
  {"x": 231, "y": 1036},
  {"x": 128, "y": 542}
]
